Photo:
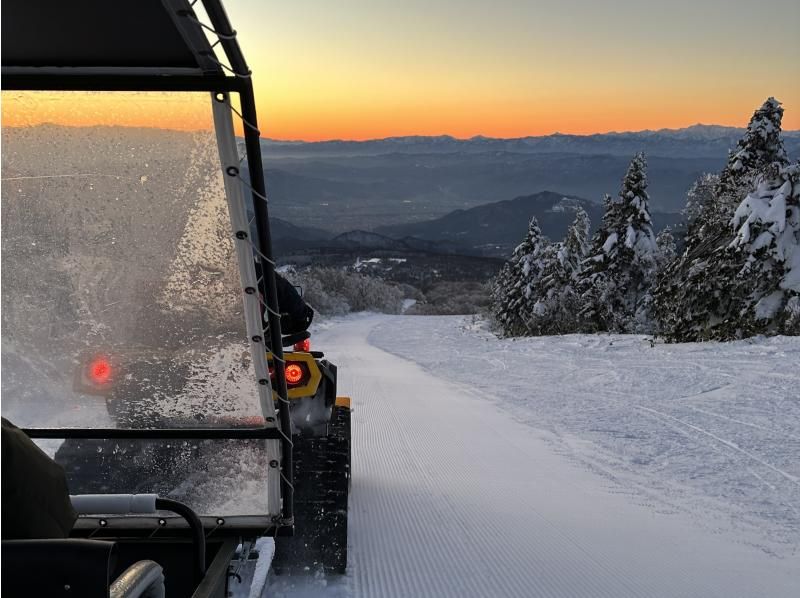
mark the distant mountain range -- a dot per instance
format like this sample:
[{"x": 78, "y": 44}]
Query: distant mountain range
[
  {"x": 347, "y": 185},
  {"x": 489, "y": 230},
  {"x": 706, "y": 141},
  {"x": 291, "y": 239},
  {"x": 282, "y": 230},
  {"x": 496, "y": 228}
]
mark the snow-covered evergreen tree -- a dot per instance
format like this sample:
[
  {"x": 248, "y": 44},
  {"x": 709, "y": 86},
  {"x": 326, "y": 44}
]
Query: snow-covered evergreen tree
[
  {"x": 696, "y": 294},
  {"x": 667, "y": 249},
  {"x": 556, "y": 302},
  {"x": 543, "y": 299},
  {"x": 760, "y": 147},
  {"x": 517, "y": 282},
  {"x": 498, "y": 297},
  {"x": 702, "y": 207},
  {"x": 576, "y": 244},
  {"x": 750, "y": 286},
  {"x": 533, "y": 264},
  {"x": 614, "y": 286},
  {"x": 767, "y": 244},
  {"x": 700, "y": 294}
]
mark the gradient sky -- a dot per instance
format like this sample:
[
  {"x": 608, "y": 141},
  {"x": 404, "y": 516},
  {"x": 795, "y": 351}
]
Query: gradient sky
[
  {"x": 359, "y": 69},
  {"x": 374, "y": 68}
]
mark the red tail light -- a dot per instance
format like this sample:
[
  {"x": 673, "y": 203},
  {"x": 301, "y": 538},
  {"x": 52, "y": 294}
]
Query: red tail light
[
  {"x": 304, "y": 345},
  {"x": 294, "y": 373},
  {"x": 100, "y": 371}
]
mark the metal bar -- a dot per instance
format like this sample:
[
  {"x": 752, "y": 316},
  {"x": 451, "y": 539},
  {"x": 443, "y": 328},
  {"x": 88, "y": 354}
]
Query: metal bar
[
  {"x": 221, "y": 23},
  {"x": 163, "y": 527},
  {"x": 234, "y": 191},
  {"x": 182, "y": 15},
  {"x": 235, "y": 199},
  {"x": 155, "y": 434},
  {"x": 269, "y": 290},
  {"x": 198, "y": 533},
  {"x": 105, "y": 82},
  {"x": 215, "y": 581}
]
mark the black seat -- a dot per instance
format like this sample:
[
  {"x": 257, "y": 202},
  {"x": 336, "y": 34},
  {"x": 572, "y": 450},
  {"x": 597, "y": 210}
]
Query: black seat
[
  {"x": 74, "y": 567},
  {"x": 62, "y": 567}
]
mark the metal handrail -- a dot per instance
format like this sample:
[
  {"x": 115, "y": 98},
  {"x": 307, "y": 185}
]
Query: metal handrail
[{"x": 144, "y": 579}]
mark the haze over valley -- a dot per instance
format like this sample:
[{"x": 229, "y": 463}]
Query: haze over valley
[{"x": 399, "y": 186}]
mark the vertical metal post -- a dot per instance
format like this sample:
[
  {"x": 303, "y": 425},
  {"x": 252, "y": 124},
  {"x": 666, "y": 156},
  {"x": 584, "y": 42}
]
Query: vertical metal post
[
  {"x": 253, "y": 312},
  {"x": 221, "y": 24},
  {"x": 268, "y": 287}
]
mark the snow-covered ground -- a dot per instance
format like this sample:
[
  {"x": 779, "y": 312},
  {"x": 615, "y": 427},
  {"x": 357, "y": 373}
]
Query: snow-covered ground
[
  {"x": 571, "y": 466},
  {"x": 711, "y": 429}
]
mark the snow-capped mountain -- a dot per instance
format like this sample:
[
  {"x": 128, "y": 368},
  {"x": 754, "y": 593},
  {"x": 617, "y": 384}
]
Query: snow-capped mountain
[{"x": 698, "y": 140}]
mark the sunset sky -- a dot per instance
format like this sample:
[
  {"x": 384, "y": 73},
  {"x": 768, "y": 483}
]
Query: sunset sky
[
  {"x": 375, "y": 68},
  {"x": 359, "y": 69}
]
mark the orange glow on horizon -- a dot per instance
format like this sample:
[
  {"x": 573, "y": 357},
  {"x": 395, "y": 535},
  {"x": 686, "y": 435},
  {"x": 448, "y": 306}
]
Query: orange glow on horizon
[
  {"x": 366, "y": 69},
  {"x": 525, "y": 122},
  {"x": 182, "y": 112},
  {"x": 287, "y": 120}
]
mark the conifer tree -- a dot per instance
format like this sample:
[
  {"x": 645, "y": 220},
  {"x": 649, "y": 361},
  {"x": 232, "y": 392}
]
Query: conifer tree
[
  {"x": 712, "y": 200},
  {"x": 665, "y": 241},
  {"x": 534, "y": 263},
  {"x": 767, "y": 245},
  {"x": 556, "y": 304},
  {"x": 701, "y": 207},
  {"x": 517, "y": 282},
  {"x": 500, "y": 289},
  {"x": 543, "y": 297},
  {"x": 614, "y": 286},
  {"x": 760, "y": 147},
  {"x": 700, "y": 294},
  {"x": 576, "y": 244}
]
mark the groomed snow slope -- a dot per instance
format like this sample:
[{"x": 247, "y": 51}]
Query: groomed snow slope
[
  {"x": 461, "y": 487},
  {"x": 708, "y": 429}
]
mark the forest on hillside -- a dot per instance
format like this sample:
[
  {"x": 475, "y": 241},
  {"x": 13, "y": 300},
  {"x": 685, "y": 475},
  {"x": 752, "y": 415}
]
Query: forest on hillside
[{"x": 736, "y": 275}]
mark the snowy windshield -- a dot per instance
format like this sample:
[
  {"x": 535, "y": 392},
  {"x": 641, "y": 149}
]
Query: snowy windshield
[{"x": 121, "y": 300}]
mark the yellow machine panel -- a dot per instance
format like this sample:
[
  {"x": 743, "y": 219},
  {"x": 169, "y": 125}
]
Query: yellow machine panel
[{"x": 308, "y": 389}]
